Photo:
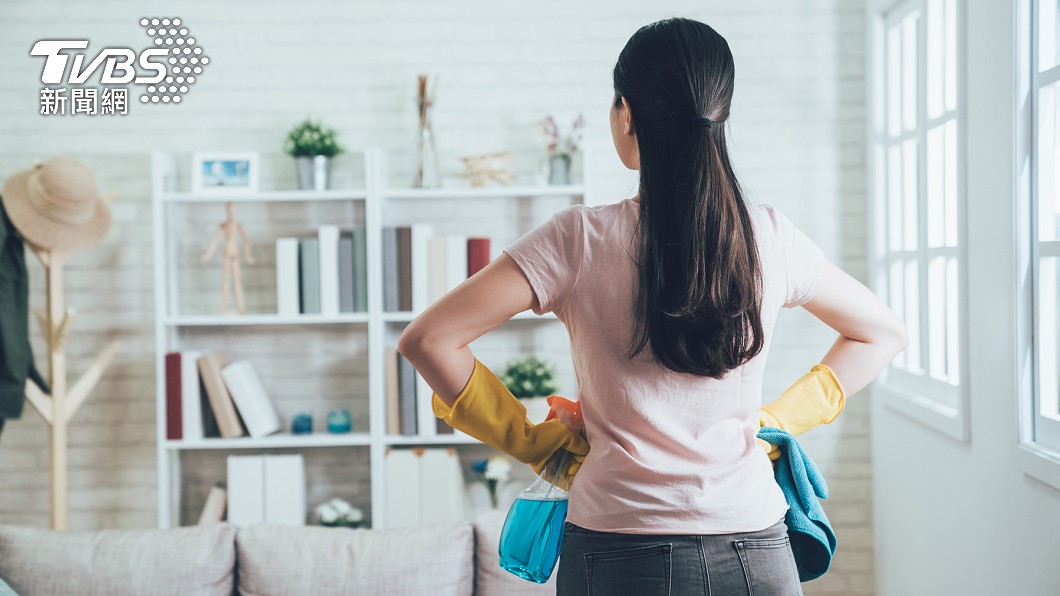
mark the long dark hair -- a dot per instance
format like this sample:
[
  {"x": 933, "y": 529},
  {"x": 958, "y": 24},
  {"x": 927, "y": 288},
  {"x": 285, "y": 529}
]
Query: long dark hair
[{"x": 698, "y": 294}]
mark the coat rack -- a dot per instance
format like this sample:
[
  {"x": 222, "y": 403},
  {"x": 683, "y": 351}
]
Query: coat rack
[{"x": 60, "y": 406}]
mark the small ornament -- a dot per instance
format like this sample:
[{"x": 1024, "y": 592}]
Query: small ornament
[
  {"x": 481, "y": 170},
  {"x": 232, "y": 232},
  {"x": 302, "y": 424},
  {"x": 339, "y": 421}
]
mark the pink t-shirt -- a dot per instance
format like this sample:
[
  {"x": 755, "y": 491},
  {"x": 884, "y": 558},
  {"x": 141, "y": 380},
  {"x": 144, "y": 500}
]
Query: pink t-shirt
[{"x": 670, "y": 453}]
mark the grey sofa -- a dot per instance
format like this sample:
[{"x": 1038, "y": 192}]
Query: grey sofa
[{"x": 262, "y": 560}]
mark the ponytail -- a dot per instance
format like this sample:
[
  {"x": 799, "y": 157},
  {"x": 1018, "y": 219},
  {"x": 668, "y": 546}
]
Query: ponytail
[{"x": 698, "y": 295}]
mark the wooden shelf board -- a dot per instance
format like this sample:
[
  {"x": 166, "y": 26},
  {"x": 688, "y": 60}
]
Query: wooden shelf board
[
  {"x": 264, "y": 319},
  {"x": 283, "y": 440},
  {"x": 484, "y": 192},
  {"x": 353, "y": 194},
  {"x": 395, "y": 440},
  {"x": 406, "y": 316}
]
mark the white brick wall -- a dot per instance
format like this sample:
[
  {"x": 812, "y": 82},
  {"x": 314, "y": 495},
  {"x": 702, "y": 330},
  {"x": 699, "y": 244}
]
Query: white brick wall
[{"x": 796, "y": 133}]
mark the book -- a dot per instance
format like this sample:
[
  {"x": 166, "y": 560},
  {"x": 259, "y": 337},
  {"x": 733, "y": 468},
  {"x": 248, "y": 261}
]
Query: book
[
  {"x": 404, "y": 265},
  {"x": 246, "y": 484},
  {"x": 478, "y": 254},
  {"x": 436, "y": 275},
  {"x": 393, "y": 402},
  {"x": 360, "y": 270},
  {"x": 284, "y": 490},
  {"x": 424, "y": 412},
  {"x": 221, "y": 403},
  {"x": 390, "y": 274},
  {"x": 213, "y": 512},
  {"x": 210, "y": 428},
  {"x": 420, "y": 265},
  {"x": 309, "y": 274},
  {"x": 328, "y": 253},
  {"x": 174, "y": 397},
  {"x": 251, "y": 399},
  {"x": 287, "y": 283},
  {"x": 441, "y": 485},
  {"x": 407, "y": 395},
  {"x": 191, "y": 395},
  {"x": 455, "y": 261},
  {"x": 346, "y": 272},
  {"x": 402, "y": 488}
]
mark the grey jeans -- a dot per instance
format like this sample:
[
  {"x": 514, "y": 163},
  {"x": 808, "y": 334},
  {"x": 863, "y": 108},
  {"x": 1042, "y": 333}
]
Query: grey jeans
[{"x": 607, "y": 564}]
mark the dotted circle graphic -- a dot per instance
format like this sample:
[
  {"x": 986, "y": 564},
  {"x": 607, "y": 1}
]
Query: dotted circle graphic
[{"x": 184, "y": 57}]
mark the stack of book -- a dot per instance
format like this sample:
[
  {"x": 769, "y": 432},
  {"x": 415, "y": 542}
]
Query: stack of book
[
  {"x": 323, "y": 274},
  {"x": 208, "y": 397},
  {"x": 266, "y": 489},
  {"x": 423, "y": 487},
  {"x": 408, "y": 400},
  {"x": 419, "y": 267}
]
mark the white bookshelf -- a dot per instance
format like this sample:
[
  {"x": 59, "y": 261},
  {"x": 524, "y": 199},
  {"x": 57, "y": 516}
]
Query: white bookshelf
[{"x": 376, "y": 197}]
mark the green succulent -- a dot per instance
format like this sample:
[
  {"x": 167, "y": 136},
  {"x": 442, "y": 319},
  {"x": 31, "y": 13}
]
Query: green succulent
[
  {"x": 309, "y": 139},
  {"x": 529, "y": 377}
]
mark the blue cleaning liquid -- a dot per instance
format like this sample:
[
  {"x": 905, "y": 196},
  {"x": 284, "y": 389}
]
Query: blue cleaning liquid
[{"x": 532, "y": 538}]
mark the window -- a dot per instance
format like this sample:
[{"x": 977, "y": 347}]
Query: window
[
  {"x": 919, "y": 197},
  {"x": 1044, "y": 187}
]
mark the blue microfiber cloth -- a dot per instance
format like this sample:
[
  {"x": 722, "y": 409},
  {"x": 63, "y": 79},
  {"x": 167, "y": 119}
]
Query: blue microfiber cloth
[{"x": 812, "y": 539}]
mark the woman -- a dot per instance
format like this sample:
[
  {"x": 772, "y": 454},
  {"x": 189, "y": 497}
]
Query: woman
[{"x": 670, "y": 299}]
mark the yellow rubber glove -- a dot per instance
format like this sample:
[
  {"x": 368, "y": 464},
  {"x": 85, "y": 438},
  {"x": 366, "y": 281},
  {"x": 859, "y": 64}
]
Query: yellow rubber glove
[
  {"x": 486, "y": 410},
  {"x": 816, "y": 398}
]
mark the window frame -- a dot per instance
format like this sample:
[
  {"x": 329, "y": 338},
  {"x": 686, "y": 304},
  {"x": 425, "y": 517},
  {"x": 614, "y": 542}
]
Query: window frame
[
  {"x": 1034, "y": 456},
  {"x": 911, "y": 394}
]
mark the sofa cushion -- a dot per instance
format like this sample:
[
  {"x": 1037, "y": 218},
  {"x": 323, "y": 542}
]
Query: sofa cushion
[
  {"x": 193, "y": 560},
  {"x": 490, "y": 579},
  {"x": 423, "y": 561}
]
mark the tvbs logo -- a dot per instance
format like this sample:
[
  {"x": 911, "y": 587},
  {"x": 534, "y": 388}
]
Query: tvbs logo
[
  {"x": 119, "y": 63},
  {"x": 167, "y": 70}
]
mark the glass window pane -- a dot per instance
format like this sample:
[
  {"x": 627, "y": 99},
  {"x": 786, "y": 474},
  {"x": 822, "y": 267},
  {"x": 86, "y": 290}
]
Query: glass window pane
[
  {"x": 1047, "y": 348},
  {"x": 951, "y": 54},
  {"x": 910, "y": 193},
  {"x": 1048, "y": 26},
  {"x": 935, "y": 58},
  {"x": 936, "y": 187},
  {"x": 951, "y": 183},
  {"x": 896, "y": 300},
  {"x": 912, "y": 317},
  {"x": 894, "y": 81},
  {"x": 937, "y": 318},
  {"x": 909, "y": 71},
  {"x": 894, "y": 197},
  {"x": 1048, "y": 152},
  {"x": 953, "y": 348}
]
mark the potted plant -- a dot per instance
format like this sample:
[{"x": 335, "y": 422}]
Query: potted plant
[
  {"x": 561, "y": 148},
  {"x": 312, "y": 146},
  {"x": 532, "y": 381}
]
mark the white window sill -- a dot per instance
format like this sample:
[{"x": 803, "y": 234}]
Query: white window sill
[
  {"x": 1039, "y": 462},
  {"x": 938, "y": 417}
]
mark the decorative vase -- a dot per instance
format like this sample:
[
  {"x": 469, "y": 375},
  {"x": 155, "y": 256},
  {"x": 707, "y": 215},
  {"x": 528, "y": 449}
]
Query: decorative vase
[
  {"x": 314, "y": 173},
  {"x": 339, "y": 421},
  {"x": 427, "y": 168},
  {"x": 559, "y": 169}
]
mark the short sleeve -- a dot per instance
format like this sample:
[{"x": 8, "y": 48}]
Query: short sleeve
[
  {"x": 803, "y": 261},
  {"x": 550, "y": 257}
]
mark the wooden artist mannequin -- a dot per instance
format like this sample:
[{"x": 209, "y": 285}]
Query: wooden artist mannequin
[{"x": 230, "y": 276}]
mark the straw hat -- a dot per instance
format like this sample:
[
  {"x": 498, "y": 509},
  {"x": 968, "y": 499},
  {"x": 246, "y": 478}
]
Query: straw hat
[{"x": 55, "y": 205}]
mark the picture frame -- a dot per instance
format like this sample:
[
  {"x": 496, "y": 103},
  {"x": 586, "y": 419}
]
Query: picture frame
[{"x": 225, "y": 173}]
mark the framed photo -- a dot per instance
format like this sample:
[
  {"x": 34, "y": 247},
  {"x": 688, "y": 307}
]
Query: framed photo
[{"x": 222, "y": 174}]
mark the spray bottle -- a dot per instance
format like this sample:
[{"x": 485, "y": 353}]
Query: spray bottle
[{"x": 532, "y": 536}]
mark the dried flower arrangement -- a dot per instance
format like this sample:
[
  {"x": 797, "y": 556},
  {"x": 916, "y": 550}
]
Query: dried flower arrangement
[{"x": 559, "y": 144}]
